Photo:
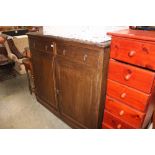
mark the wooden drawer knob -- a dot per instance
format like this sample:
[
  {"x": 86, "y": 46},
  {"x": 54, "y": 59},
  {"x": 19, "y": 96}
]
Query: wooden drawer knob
[
  {"x": 131, "y": 53},
  {"x": 123, "y": 95},
  {"x": 64, "y": 52},
  {"x": 85, "y": 57},
  {"x": 119, "y": 126},
  {"x": 127, "y": 77},
  {"x": 121, "y": 113}
]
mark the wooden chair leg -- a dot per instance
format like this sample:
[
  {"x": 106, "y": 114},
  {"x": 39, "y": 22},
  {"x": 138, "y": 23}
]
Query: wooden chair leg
[{"x": 29, "y": 82}]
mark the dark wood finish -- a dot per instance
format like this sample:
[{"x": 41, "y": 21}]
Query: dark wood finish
[
  {"x": 3, "y": 51},
  {"x": 114, "y": 122},
  {"x": 131, "y": 76},
  {"x": 77, "y": 85},
  {"x": 128, "y": 95},
  {"x": 76, "y": 71},
  {"x": 79, "y": 54},
  {"x": 44, "y": 75}
]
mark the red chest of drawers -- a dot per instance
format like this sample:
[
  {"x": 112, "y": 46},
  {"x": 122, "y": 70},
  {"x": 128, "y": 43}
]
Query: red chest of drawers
[{"x": 130, "y": 94}]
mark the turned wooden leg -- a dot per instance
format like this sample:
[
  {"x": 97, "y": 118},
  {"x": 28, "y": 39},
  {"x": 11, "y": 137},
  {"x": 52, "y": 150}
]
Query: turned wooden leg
[{"x": 29, "y": 82}]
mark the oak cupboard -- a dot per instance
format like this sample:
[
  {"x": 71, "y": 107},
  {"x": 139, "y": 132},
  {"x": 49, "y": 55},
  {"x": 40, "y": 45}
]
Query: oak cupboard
[
  {"x": 70, "y": 78},
  {"x": 44, "y": 76}
]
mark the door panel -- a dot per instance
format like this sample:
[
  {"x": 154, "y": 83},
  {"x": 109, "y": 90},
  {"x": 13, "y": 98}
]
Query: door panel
[
  {"x": 77, "y": 86},
  {"x": 44, "y": 77}
]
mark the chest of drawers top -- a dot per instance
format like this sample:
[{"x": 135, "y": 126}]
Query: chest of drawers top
[
  {"x": 135, "y": 34},
  {"x": 135, "y": 47}
]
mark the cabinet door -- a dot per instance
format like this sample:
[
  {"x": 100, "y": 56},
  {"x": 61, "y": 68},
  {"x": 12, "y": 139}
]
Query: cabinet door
[
  {"x": 77, "y": 93},
  {"x": 44, "y": 77}
]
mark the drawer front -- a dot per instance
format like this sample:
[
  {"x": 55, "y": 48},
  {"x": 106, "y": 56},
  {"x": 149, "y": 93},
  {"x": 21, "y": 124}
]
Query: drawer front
[
  {"x": 124, "y": 112},
  {"x": 106, "y": 126},
  {"x": 134, "y": 52},
  {"x": 114, "y": 122},
  {"x": 128, "y": 95},
  {"x": 42, "y": 44},
  {"x": 131, "y": 76},
  {"x": 79, "y": 54}
]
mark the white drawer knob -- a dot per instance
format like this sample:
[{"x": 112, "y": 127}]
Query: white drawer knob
[
  {"x": 121, "y": 113},
  {"x": 85, "y": 57},
  {"x": 131, "y": 53},
  {"x": 123, "y": 95},
  {"x": 127, "y": 77}
]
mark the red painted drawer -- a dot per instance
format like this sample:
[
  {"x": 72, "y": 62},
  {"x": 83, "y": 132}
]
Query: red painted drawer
[
  {"x": 124, "y": 112},
  {"x": 115, "y": 122},
  {"x": 131, "y": 76},
  {"x": 128, "y": 95},
  {"x": 106, "y": 126},
  {"x": 133, "y": 51}
]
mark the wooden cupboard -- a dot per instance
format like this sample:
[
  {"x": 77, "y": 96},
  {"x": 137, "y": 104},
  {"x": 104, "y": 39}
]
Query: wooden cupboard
[
  {"x": 70, "y": 78},
  {"x": 44, "y": 76}
]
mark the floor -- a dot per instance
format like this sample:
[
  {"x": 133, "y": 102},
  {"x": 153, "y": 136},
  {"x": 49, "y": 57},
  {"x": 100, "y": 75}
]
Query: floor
[{"x": 19, "y": 109}]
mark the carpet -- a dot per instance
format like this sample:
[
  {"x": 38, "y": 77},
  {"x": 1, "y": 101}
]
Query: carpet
[{"x": 20, "y": 110}]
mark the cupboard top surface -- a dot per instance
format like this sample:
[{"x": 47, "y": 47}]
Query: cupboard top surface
[
  {"x": 72, "y": 40},
  {"x": 134, "y": 34}
]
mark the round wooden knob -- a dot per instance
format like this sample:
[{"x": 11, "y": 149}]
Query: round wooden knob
[
  {"x": 127, "y": 77},
  {"x": 121, "y": 113},
  {"x": 131, "y": 53},
  {"x": 123, "y": 95},
  {"x": 119, "y": 126},
  {"x": 85, "y": 57}
]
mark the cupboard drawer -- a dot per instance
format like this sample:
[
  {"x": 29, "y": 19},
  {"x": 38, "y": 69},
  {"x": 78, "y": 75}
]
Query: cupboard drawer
[
  {"x": 114, "y": 122},
  {"x": 134, "y": 52},
  {"x": 79, "y": 54},
  {"x": 131, "y": 76},
  {"x": 124, "y": 112},
  {"x": 42, "y": 44},
  {"x": 128, "y": 95}
]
